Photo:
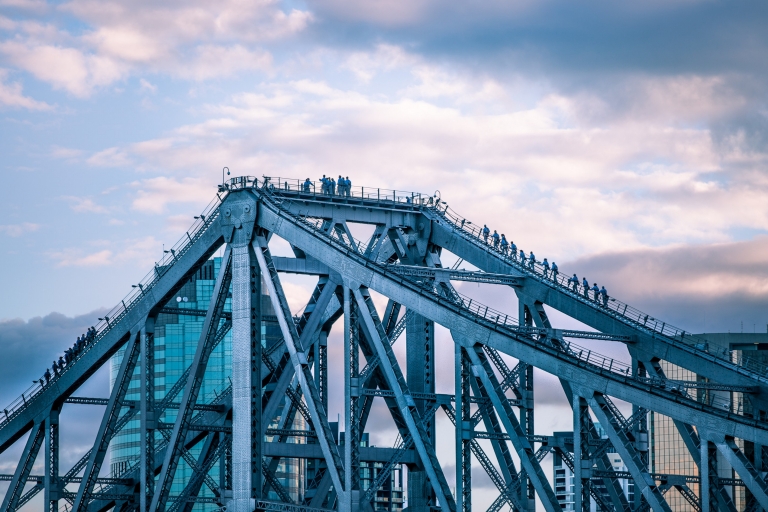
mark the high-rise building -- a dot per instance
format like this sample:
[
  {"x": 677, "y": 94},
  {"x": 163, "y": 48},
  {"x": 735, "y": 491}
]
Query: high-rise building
[
  {"x": 389, "y": 497},
  {"x": 177, "y": 334},
  {"x": 668, "y": 452},
  {"x": 563, "y": 476}
]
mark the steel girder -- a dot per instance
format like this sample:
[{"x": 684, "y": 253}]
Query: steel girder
[
  {"x": 341, "y": 253},
  {"x": 109, "y": 421},
  {"x": 168, "y": 281},
  {"x": 491, "y": 332},
  {"x": 191, "y": 390},
  {"x": 445, "y": 233},
  {"x": 405, "y": 402},
  {"x": 301, "y": 367}
]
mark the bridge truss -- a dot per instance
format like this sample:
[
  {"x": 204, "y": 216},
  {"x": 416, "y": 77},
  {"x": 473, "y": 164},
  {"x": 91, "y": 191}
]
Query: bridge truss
[{"x": 248, "y": 430}]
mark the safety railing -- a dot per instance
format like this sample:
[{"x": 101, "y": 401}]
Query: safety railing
[
  {"x": 614, "y": 307},
  {"x": 316, "y": 188},
  {"x": 581, "y": 356},
  {"x": 117, "y": 313},
  {"x": 474, "y": 233}
]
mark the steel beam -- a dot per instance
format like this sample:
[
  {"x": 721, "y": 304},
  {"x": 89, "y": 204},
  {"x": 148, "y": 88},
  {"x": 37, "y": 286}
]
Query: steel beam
[
  {"x": 482, "y": 369},
  {"x": 247, "y": 435},
  {"x": 406, "y": 405},
  {"x": 23, "y": 469},
  {"x": 109, "y": 421},
  {"x": 192, "y": 388},
  {"x": 751, "y": 477},
  {"x": 147, "y": 416},
  {"x": 611, "y": 422},
  {"x": 301, "y": 367}
]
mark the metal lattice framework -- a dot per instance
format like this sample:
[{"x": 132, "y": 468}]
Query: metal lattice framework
[{"x": 249, "y": 428}]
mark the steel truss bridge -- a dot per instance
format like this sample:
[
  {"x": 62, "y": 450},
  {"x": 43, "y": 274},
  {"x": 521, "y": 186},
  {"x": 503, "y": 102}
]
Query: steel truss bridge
[{"x": 721, "y": 415}]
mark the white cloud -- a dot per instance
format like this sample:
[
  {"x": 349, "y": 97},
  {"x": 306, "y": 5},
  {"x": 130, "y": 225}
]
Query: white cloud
[
  {"x": 110, "y": 157},
  {"x": 155, "y": 194},
  {"x": 85, "y": 205},
  {"x": 65, "y": 153},
  {"x": 64, "y": 68},
  {"x": 135, "y": 251},
  {"x": 11, "y": 95},
  {"x": 16, "y": 230},
  {"x": 147, "y": 86}
]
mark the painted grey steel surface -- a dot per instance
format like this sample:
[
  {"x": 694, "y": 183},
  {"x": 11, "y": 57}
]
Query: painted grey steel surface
[{"x": 289, "y": 378}]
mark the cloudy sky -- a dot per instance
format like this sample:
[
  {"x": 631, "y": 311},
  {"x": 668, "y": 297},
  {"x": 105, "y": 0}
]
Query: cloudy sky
[{"x": 625, "y": 141}]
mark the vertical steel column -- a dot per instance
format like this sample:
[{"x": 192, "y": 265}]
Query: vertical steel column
[
  {"x": 148, "y": 421},
  {"x": 708, "y": 455},
  {"x": 321, "y": 366},
  {"x": 640, "y": 434},
  {"x": 420, "y": 369},
  {"x": 582, "y": 463},
  {"x": 51, "y": 477},
  {"x": 351, "y": 402},
  {"x": 463, "y": 372},
  {"x": 246, "y": 379},
  {"x": 526, "y": 410}
]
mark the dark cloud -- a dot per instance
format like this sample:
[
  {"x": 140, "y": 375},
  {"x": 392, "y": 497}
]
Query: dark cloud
[
  {"x": 701, "y": 288},
  {"x": 30, "y": 346},
  {"x": 669, "y": 37}
]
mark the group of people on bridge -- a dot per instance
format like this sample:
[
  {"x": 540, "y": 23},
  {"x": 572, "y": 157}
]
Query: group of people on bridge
[
  {"x": 549, "y": 270},
  {"x": 331, "y": 187},
  {"x": 69, "y": 355}
]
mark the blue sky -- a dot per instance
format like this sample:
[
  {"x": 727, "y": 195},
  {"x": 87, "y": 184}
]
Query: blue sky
[{"x": 625, "y": 141}]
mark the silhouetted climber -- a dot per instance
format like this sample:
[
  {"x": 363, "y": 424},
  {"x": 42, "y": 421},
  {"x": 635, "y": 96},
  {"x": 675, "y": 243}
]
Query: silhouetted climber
[
  {"x": 604, "y": 293},
  {"x": 574, "y": 281},
  {"x": 504, "y": 245},
  {"x": 531, "y": 261},
  {"x": 486, "y": 232},
  {"x": 585, "y": 286},
  {"x": 545, "y": 264},
  {"x": 554, "y": 271},
  {"x": 513, "y": 250},
  {"x": 596, "y": 292},
  {"x": 307, "y": 185},
  {"x": 47, "y": 375}
]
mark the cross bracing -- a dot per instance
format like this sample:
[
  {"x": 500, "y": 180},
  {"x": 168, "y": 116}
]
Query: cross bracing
[{"x": 249, "y": 430}]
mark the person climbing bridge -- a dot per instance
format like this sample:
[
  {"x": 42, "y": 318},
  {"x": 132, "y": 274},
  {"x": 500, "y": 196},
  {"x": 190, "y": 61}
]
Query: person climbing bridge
[
  {"x": 604, "y": 294},
  {"x": 596, "y": 292},
  {"x": 513, "y": 250},
  {"x": 504, "y": 245},
  {"x": 495, "y": 239},
  {"x": 531, "y": 261},
  {"x": 47, "y": 375},
  {"x": 554, "y": 271},
  {"x": 545, "y": 264},
  {"x": 523, "y": 258},
  {"x": 348, "y": 186},
  {"x": 585, "y": 286},
  {"x": 574, "y": 282},
  {"x": 307, "y": 186},
  {"x": 486, "y": 232}
]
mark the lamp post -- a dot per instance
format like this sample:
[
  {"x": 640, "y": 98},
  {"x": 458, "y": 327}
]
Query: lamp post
[{"x": 222, "y": 174}]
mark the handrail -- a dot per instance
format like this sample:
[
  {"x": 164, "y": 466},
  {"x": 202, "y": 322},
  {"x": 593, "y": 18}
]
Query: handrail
[
  {"x": 473, "y": 233},
  {"x": 126, "y": 305},
  {"x": 478, "y": 312}
]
